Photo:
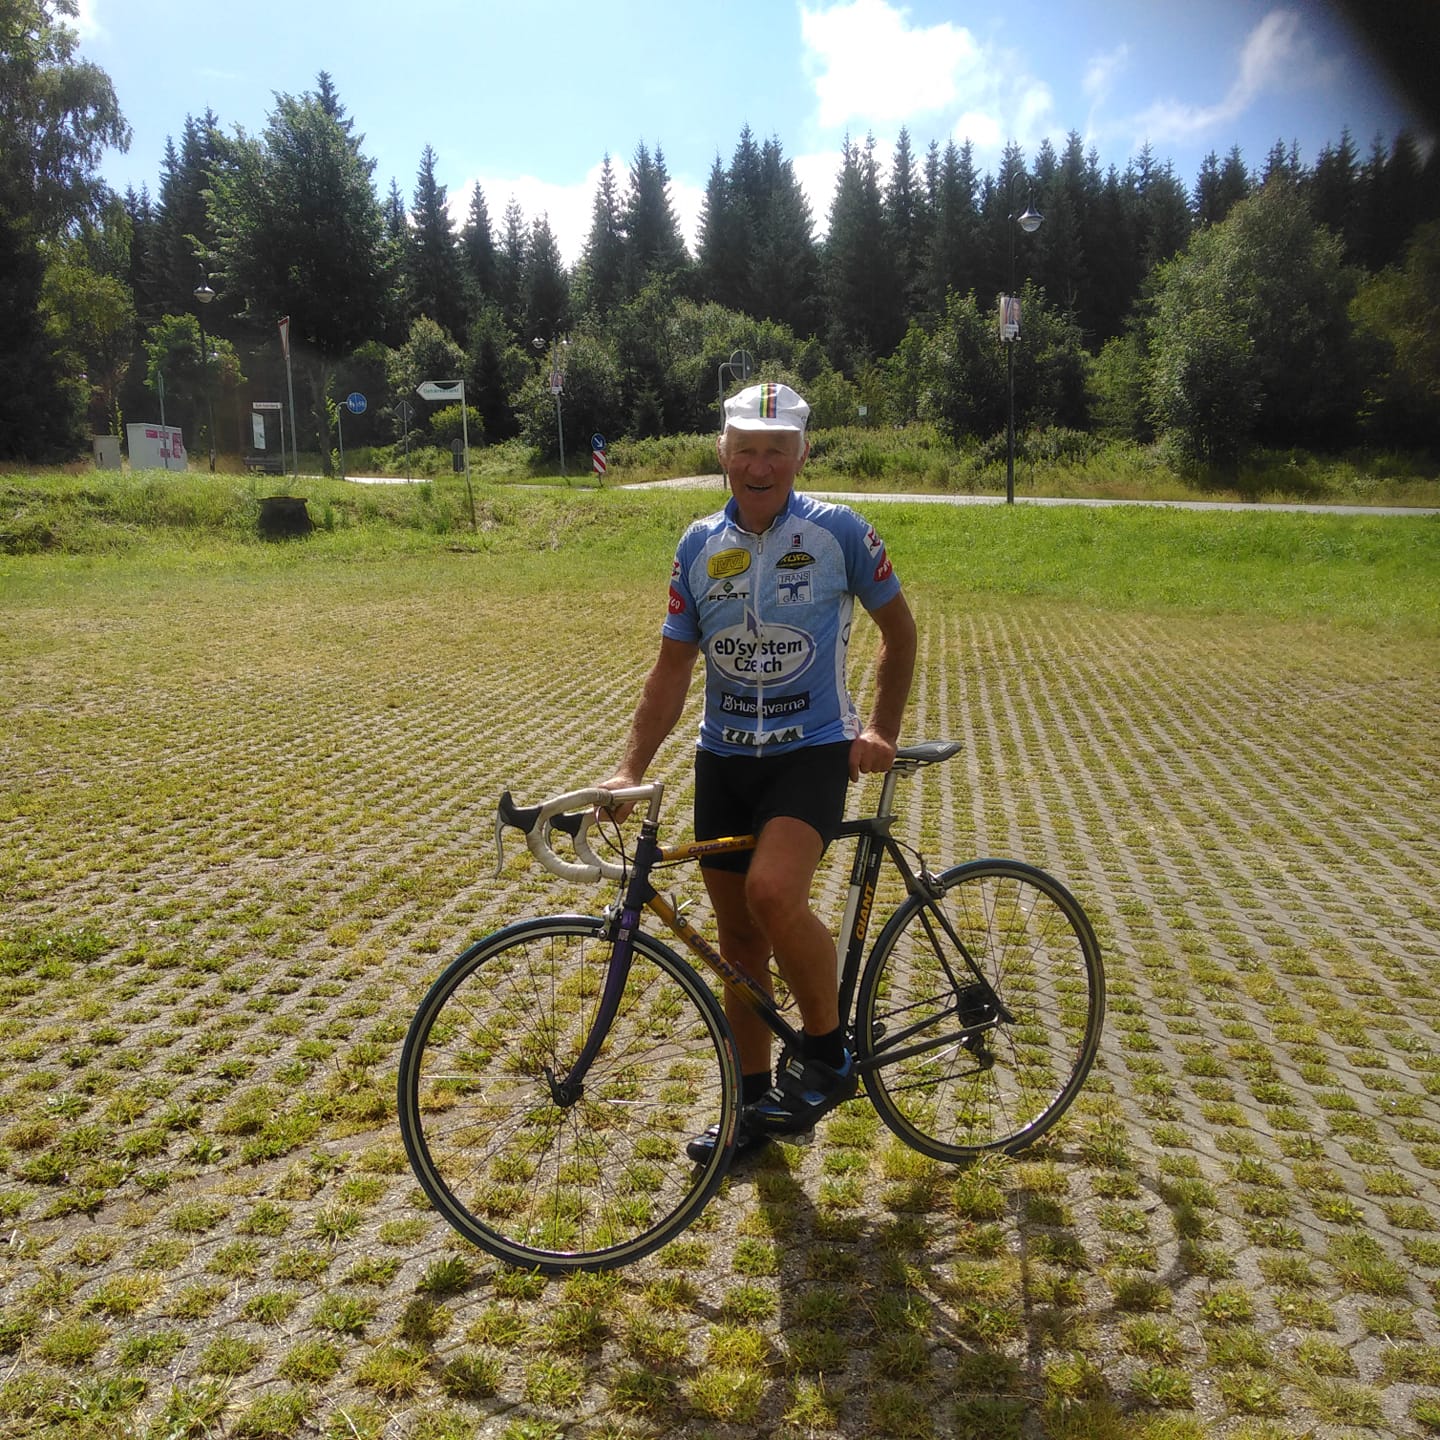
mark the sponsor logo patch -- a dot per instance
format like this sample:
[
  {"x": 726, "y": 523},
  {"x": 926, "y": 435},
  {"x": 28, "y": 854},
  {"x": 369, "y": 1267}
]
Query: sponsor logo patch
[
  {"x": 793, "y": 589},
  {"x": 774, "y": 705},
  {"x": 728, "y": 590},
  {"x": 771, "y": 737},
  {"x": 727, "y": 562},
  {"x": 884, "y": 569},
  {"x": 781, "y": 653},
  {"x": 677, "y": 602},
  {"x": 795, "y": 560}
]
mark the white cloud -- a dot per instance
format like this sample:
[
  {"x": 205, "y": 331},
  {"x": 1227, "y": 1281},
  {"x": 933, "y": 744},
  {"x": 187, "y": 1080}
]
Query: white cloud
[
  {"x": 85, "y": 24},
  {"x": 1101, "y": 73},
  {"x": 817, "y": 173},
  {"x": 869, "y": 65},
  {"x": 872, "y": 70},
  {"x": 1278, "y": 54}
]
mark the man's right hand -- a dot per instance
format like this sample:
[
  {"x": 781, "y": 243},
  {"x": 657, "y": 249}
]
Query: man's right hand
[{"x": 617, "y": 813}]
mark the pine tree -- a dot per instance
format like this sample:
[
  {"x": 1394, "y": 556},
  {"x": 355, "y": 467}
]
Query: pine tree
[
  {"x": 477, "y": 253},
  {"x": 1282, "y": 164},
  {"x": 547, "y": 291},
  {"x": 510, "y": 264},
  {"x": 301, "y": 233},
  {"x": 1219, "y": 187},
  {"x": 185, "y": 237},
  {"x": 603, "y": 261},
  {"x": 785, "y": 283},
  {"x": 907, "y": 215},
  {"x": 862, "y": 280},
  {"x": 432, "y": 258},
  {"x": 143, "y": 239},
  {"x": 1058, "y": 257},
  {"x": 725, "y": 244},
  {"x": 953, "y": 262},
  {"x": 654, "y": 249},
  {"x": 1335, "y": 193}
]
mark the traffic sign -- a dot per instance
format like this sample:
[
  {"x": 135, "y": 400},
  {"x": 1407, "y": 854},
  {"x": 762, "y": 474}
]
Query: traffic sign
[
  {"x": 265, "y": 405},
  {"x": 403, "y": 411},
  {"x": 440, "y": 389},
  {"x": 597, "y": 459},
  {"x": 742, "y": 363},
  {"x": 355, "y": 403},
  {"x": 597, "y": 441},
  {"x": 557, "y": 381}
]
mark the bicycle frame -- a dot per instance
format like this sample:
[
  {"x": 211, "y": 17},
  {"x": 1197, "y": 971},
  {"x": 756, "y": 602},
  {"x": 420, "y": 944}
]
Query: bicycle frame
[{"x": 873, "y": 843}]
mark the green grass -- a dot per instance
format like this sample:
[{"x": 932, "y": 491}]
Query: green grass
[
  {"x": 1353, "y": 569},
  {"x": 247, "y": 818}
]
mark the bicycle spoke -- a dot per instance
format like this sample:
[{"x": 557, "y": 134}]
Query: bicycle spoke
[
  {"x": 1027, "y": 1034},
  {"x": 597, "y": 1181}
]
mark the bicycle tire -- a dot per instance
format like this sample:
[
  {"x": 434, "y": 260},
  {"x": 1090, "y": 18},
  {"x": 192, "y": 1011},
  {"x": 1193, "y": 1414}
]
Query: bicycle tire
[
  {"x": 949, "y": 1078},
  {"x": 588, "y": 1186}
]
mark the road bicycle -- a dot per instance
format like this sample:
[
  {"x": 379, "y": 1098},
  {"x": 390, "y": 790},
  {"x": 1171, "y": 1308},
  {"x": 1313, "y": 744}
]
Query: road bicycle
[{"x": 553, "y": 1073}]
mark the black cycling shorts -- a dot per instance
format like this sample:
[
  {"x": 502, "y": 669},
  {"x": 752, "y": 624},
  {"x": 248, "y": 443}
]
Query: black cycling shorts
[{"x": 737, "y": 794}]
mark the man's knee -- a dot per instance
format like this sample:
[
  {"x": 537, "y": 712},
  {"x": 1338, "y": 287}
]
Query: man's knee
[{"x": 775, "y": 896}]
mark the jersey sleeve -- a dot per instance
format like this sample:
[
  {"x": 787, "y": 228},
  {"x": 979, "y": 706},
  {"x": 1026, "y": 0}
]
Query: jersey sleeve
[
  {"x": 871, "y": 575},
  {"x": 682, "y": 616}
]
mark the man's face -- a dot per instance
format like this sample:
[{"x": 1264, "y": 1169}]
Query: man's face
[{"x": 762, "y": 466}]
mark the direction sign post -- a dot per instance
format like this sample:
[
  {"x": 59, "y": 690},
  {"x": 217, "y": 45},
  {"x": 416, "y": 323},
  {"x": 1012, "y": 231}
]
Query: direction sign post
[
  {"x": 597, "y": 455},
  {"x": 740, "y": 364},
  {"x": 403, "y": 412},
  {"x": 290, "y": 385},
  {"x": 454, "y": 390}
]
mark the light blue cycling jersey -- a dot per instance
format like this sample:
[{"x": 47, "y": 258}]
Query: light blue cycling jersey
[{"x": 772, "y": 614}]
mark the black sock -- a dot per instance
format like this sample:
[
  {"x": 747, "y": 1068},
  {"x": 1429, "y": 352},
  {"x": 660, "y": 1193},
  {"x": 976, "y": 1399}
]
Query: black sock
[
  {"x": 828, "y": 1049},
  {"x": 754, "y": 1087}
]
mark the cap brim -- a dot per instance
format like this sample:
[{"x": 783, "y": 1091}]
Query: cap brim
[{"x": 751, "y": 422}]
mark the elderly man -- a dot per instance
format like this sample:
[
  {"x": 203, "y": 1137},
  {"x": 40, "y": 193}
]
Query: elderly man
[{"x": 765, "y": 588}]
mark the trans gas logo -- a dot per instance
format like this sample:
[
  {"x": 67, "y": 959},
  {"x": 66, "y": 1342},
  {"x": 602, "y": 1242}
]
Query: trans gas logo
[{"x": 781, "y": 653}]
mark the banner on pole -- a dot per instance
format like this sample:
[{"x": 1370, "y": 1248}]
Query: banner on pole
[
  {"x": 1009, "y": 317},
  {"x": 285, "y": 337}
]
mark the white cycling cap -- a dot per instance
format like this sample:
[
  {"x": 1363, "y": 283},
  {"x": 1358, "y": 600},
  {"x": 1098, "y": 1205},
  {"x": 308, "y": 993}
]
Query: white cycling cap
[{"x": 770, "y": 406}]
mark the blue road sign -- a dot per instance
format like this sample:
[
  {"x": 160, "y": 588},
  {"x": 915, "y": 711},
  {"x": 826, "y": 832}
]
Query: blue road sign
[
  {"x": 355, "y": 403},
  {"x": 597, "y": 441}
]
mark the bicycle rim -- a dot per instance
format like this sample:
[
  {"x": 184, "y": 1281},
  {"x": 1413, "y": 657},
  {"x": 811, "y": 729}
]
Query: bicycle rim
[
  {"x": 949, "y": 1076},
  {"x": 600, "y": 1182}
]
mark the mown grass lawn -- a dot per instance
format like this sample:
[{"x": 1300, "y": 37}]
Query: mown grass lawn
[{"x": 246, "y": 818}]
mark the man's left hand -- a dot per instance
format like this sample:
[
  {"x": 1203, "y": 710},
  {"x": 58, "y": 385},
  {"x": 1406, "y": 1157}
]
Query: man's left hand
[{"x": 870, "y": 754}]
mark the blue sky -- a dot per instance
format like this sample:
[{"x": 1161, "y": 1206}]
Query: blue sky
[{"x": 527, "y": 98}]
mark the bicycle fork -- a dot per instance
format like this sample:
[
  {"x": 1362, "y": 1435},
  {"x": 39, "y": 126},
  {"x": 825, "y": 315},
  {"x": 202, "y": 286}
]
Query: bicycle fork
[{"x": 566, "y": 1090}]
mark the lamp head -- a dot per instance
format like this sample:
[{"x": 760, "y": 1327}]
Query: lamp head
[{"x": 1029, "y": 220}]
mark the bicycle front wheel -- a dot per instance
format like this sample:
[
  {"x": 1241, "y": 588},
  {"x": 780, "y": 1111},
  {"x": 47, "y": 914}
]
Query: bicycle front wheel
[
  {"x": 540, "y": 1182},
  {"x": 952, "y": 1072}
]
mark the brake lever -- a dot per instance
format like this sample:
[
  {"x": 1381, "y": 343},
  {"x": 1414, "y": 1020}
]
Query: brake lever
[{"x": 507, "y": 812}]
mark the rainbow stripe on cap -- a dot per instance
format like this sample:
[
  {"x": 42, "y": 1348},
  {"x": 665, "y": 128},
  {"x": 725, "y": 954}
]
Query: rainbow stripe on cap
[{"x": 768, "y": 410}]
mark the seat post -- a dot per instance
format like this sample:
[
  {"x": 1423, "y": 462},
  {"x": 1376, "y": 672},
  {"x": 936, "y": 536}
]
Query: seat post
[{"x": 886, "y": 806}]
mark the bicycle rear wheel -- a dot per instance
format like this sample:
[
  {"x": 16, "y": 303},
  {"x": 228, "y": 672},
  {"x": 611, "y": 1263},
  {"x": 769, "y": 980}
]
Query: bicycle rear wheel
[
  {"x": 950, "y": 1073},
  {"x": 555, "y": 1187}
]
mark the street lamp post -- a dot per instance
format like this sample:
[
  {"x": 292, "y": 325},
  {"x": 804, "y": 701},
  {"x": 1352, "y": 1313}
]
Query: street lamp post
[
  {"x": 557, "y": 385},
  {"x": 1029, "y": 221},
  {"x": 203, "y": 296}
]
